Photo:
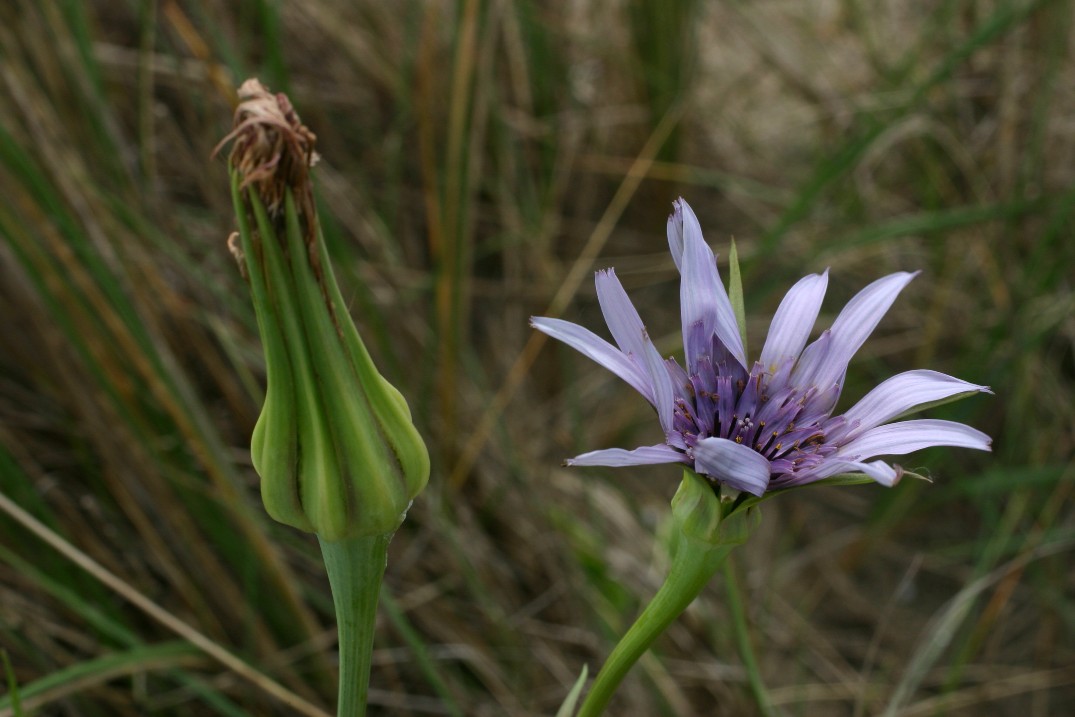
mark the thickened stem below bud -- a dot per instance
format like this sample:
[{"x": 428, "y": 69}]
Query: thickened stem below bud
[{"x": 335, "y": 446}]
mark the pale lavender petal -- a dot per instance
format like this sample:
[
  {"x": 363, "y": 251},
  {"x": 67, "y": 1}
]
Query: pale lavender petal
[
  {"x": 857, "y": 321},
  {"x": 663, "y": 392},
  {"x": 900, "y": 394},
  {"x": 793, "y": 321},
  {"x": 618, "y": 457},
  {"x": 907, "y": 436},
  {"x": 779, "y": 378},
  {"x": 596, "y": 348},
  {"x": 626, "y": 325},
  {"x": 880, "y": 471},
  {"x": 702, "y": 295},
  {"x": 675, "y": 237},
  {"x": 732, "y": 463},
  {"x": 812, "y": 362},
  {"x": 681, "y": 382},
  {"x": 620, "y": 314}
]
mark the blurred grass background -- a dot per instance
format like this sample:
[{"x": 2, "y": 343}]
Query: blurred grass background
[{"x": 480, "y": 159}]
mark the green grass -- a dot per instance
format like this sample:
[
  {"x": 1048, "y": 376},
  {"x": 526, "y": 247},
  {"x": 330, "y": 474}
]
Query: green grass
[{"x": 480, "y": 159}]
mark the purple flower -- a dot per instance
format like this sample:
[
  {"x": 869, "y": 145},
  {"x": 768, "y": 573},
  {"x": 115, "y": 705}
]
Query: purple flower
[{"x": 766, "y": 426}]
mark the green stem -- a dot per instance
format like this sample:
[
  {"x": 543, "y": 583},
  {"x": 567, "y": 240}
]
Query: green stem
[
  {"x": 742, "y": 639},
  {"x": 355, "y": 567},
  {"x": 694, "y": 563}
]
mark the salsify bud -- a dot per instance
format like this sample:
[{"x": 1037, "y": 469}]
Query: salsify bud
[
  {"x": 702, "y": 516},
  {"x": 334, "y": 445}
]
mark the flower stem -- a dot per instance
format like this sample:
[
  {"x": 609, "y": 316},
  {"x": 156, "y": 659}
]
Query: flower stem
[
  {"x": 742, "y": 639},
  {"x": 693, "y": 564},
  {"x": 355, "y": 567}
]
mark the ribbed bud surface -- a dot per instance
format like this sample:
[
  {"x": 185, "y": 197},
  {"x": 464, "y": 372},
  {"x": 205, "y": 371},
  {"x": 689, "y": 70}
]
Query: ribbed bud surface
[{"x": 334, "y": 445}]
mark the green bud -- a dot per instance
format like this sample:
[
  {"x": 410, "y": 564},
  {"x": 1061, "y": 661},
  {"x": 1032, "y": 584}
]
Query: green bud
[
  {"x": 702, "y": 516},
  {"x": 335, "y": 446}
]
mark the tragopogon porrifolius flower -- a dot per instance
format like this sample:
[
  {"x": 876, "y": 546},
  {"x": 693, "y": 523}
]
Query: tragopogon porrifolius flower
[
  {"x": 767, "y": 425},
  {"x": 335, "y": 446}
]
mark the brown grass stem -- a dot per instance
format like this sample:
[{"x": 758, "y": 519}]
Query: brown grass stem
[
  {"x": 156, "y": 612},
  {"x": 570, "y": 285}
]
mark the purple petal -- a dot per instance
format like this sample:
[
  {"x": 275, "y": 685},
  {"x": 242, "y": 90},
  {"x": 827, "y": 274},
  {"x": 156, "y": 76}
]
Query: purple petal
[
  {"x": 900, "y": 394},
  {"x": 907, "y": 436},
  {"x": 619, "y": 457},
  {"x": 793, "y": 321},
  {"x": 732, "y": 463},
  {"x": 856, "y": 322},
  {"x": 593, "y": 346},
  {"x": 702, "y": 295}
]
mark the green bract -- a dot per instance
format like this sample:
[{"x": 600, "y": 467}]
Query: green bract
[
  {"x": 335, "y": 446},
  {"x": 702, "y": 516}
]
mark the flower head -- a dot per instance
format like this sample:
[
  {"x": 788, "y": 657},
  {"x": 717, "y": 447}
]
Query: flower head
[
  {"x": 334, "y": 445},
  {"x": 766, "y": 425}
]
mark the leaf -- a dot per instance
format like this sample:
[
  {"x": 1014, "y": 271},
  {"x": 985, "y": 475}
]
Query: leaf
[
  {"x": 85, "y": 675},
  {"x": 567, "y": 709},
  {"x": 12, "y": 686}
]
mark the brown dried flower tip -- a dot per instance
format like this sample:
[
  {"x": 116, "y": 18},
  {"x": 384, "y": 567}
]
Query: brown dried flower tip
[{"x": 272, "y": 149}]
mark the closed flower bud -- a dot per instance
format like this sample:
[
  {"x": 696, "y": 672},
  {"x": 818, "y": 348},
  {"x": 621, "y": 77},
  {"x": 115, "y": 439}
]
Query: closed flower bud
[{"x": 335, "y": 446}]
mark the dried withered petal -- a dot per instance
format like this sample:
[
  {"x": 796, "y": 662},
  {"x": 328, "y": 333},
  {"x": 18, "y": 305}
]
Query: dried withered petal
[{"x": 271, "y": 149}]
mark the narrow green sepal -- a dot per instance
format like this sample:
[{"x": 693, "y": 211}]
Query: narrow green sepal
[
  {"x": 842, "y": 479},
  {"x": 274, "y": 441},
  {"x": 735, "y": 294},
  {"x": 940, "y": 402}
]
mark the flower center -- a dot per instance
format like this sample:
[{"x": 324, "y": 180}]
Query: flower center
[{"x": 784, "y": 423}]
